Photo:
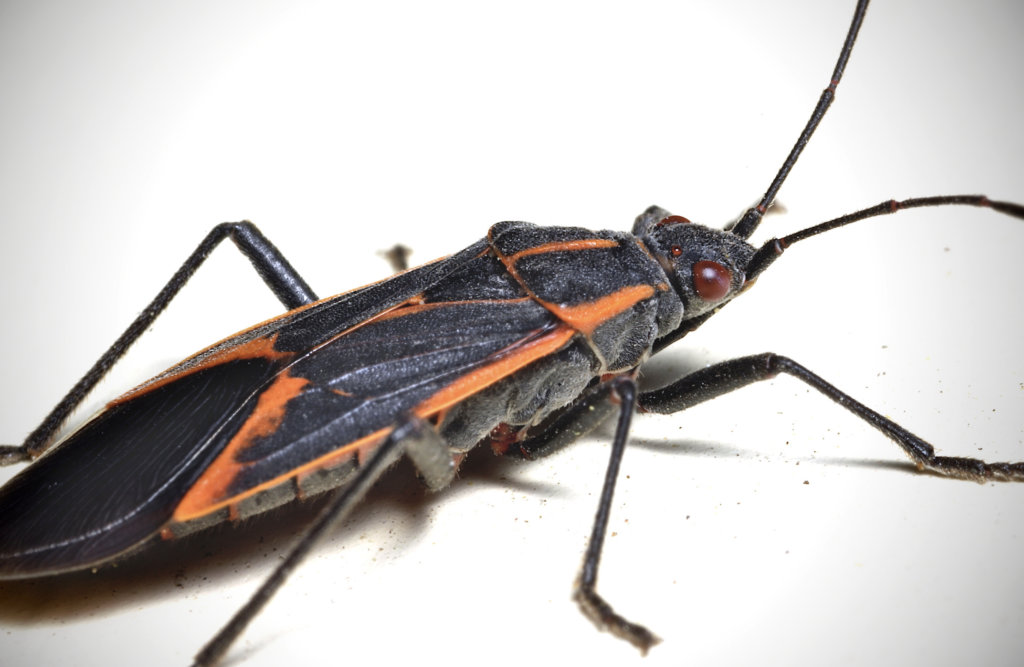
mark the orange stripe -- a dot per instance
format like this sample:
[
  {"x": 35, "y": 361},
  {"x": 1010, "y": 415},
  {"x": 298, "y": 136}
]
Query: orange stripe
[
  {"x": 586, "y": 317},
  {"x": 502, "y": 367},
  {"x": 565, "y": 246},
  {"x": 265, "y": 419},
  {"x": 257, "y": 348},
  {"x": 402, "y": 309},
  {"x": 195, "y": 510}
]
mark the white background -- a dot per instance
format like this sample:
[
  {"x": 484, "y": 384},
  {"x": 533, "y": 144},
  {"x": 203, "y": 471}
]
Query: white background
[{"x": 341, "y": 129}]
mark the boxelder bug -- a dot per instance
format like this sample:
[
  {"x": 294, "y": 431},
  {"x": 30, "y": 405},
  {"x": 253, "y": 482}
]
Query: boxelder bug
[{"x": 518, "y": 557}]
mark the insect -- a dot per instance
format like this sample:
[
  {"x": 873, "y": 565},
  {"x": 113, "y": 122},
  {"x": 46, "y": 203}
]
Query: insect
[{"x": 941, "y": 444}]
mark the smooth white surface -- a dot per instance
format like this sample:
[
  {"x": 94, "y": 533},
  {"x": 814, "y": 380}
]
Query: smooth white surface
[{"x": 128, "y": 131}]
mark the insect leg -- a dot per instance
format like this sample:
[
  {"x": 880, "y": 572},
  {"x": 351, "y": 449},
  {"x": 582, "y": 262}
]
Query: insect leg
[
  {"x": 592, "y": 604},
  {"x": 397, "y": 256},
  {"x": 412, "y": 436},
  {"x": 269, "y": 263},
  {"x": 724, "y": 377}
]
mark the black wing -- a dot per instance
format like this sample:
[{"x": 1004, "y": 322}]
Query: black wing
[{"x": 118, "y": 479}]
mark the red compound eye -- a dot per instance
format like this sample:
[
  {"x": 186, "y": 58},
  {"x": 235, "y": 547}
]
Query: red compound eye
[
  {"x": 712, "y": 280},
  {"x": 672, "y": 220}
]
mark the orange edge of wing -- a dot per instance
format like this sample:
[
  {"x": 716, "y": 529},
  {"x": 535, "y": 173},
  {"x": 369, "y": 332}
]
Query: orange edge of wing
[
  {"x": 208, "y": 494},
  {"x": 262, "y": 346}
]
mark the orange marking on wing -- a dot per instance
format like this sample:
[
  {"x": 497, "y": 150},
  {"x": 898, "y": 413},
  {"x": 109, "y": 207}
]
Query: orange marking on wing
[
  {"x": 196, "y": 504},
  {"x": 209, "y": 496},
  {"x": 565, "y": 246},
  {"x": 586, "y": 317},
  {"x": 501, "y": 367},
  {"x": 257, "y": 348},
  {"x": 422, "y": 307},
  {"x": 212, "y": 486}
]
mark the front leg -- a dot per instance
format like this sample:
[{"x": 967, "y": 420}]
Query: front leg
[{"x": 727, "y": 376}]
